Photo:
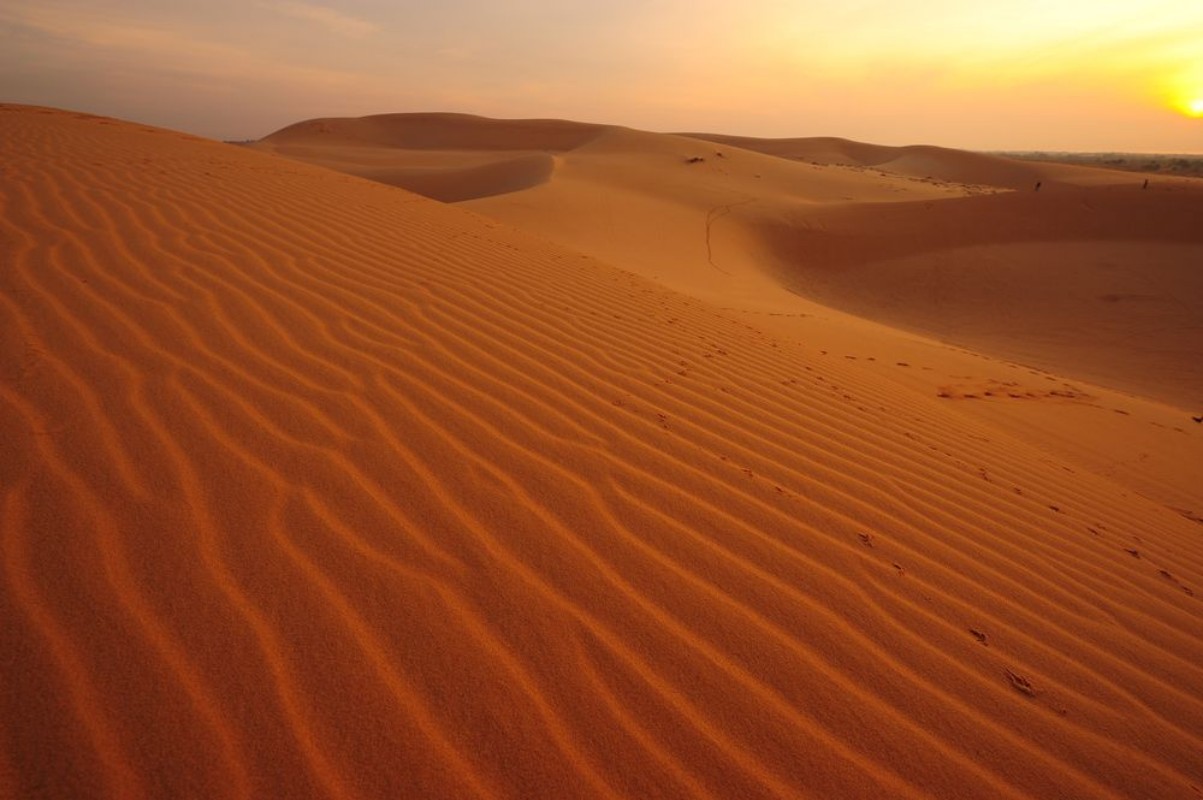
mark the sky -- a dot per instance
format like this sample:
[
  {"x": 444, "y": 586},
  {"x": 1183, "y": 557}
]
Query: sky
[{"x": 1077, "y": 75}]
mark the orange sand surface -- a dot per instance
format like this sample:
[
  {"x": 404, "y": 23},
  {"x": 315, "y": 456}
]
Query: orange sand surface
[
  {"x": 1085, "y": 296},
  {"x": 312, "y": 486}
]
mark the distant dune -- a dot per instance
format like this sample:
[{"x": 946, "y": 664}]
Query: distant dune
[
  {"x": 1091, "y": 277},
  {"x": 1153, "y": 165},
  {"x": 448, "y": 157},
  {"x": 313, "y": 486},
  {"x": 920, "y": 161}
]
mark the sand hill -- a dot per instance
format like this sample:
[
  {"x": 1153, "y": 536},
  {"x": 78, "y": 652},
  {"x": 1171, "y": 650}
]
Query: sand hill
[
  {"x": 1083, "y": 296},
  {"x": 1091, "y": 277},
  {"x": 312, "y": 486}
]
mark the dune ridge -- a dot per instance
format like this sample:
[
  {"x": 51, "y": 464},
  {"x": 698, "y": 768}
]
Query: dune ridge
[
  {"x": 316, "y": 487},
  {"x": 442, "y": 131}
]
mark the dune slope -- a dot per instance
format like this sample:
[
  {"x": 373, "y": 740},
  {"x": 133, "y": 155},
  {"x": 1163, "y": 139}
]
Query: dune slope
[
  {"x": 1105, "y": 284},
  {"x": 1092, "y": 277},
  {"x": 313, "y": 487}
]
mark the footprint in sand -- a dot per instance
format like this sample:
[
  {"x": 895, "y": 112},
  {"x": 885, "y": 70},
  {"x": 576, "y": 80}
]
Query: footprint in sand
[{"x": 1021, "y": 684}]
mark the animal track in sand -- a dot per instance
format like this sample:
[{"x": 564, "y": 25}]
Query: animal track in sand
[
  {"x": 975, "y": 389},
  {"x": 1021, "y": 684}
]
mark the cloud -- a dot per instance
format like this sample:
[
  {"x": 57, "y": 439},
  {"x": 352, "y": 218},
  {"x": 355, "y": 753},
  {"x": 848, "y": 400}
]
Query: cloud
[
  {"x": 169, "y": 49},
  {"x": 331, "y": 19}
]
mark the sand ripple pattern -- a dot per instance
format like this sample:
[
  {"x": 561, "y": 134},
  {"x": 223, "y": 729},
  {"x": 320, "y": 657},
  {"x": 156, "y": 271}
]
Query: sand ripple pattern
[{"x": 312, "y": 487}]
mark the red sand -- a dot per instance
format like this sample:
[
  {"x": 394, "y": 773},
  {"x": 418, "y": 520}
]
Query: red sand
[{"x": 313, "y": 486}]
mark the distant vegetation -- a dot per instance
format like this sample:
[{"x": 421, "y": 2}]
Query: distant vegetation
[{"x": 1149, "y": 163}]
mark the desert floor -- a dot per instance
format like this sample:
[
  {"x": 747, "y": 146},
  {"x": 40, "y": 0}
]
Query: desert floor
[{"x": 435, "y": 456}]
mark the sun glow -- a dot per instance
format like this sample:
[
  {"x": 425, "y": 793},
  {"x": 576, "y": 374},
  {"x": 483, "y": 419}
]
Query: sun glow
[
  {"x": 1185, "y": 93},
  {"x": 1186, "y": 101}
]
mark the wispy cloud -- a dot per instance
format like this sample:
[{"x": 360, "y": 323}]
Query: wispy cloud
[
  {"x": 333, "y": 20},
  {"x": 169, "y": 48}
]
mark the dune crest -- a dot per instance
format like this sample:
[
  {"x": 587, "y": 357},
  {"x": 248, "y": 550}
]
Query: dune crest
[
  {"x": 435, "y": 131},
  {"x": 315, "y": 487}
]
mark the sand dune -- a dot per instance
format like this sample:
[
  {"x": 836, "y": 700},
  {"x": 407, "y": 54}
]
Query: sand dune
[
  {"x": 924, "y": 161},
  {"x": 1100, "y": 283},
  {"x": 1092, "y": 277},
  {"x": 447, "y": 157},
  {"x": 315, "y": 487},
  {"x": 1063, "y": 317},
  {"x": 439, "y": 132},
  {"x": 464, "y": 178}
]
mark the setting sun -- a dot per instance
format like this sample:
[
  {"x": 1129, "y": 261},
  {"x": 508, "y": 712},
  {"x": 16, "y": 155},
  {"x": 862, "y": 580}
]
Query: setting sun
[{"x": 1186, "y": 99}]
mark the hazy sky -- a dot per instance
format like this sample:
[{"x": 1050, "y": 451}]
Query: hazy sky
[{"x": 1005, "y": 74}]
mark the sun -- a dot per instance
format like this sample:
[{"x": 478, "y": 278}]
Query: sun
[{"x": 1189, "y": 104}]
